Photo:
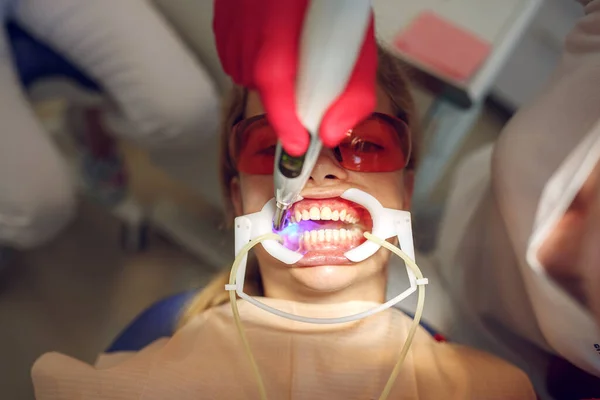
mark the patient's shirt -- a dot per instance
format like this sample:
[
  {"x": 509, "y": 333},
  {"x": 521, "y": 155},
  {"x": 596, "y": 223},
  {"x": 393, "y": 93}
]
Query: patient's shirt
[{"x": 298, "y": 361}]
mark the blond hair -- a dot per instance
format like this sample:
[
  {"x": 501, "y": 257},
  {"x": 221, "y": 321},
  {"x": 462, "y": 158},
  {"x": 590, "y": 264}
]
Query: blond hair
[{"x": 391, "y": 77}]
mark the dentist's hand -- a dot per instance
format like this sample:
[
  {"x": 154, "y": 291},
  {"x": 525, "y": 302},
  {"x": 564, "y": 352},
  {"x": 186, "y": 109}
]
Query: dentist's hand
[{"x": 258, "y": 42}]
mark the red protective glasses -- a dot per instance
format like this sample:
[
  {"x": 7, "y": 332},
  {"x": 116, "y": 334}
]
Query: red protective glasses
[{"x": 380, "y": 143}]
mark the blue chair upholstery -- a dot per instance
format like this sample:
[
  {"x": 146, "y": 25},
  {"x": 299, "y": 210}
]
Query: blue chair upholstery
[
  {"x": 34, "y": 60},
  {"x": 160, "y": 319},
  {"x": 437, "y": 335}
]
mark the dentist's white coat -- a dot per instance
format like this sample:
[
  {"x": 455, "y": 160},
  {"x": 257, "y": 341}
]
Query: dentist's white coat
[{"x": 483, "y": 290}]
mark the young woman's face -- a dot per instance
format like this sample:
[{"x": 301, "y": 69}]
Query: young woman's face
[
  {"x": 561, "y": 253},
  {"x": 323, "y": 270}
]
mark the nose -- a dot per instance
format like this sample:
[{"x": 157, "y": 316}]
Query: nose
[{"x": 327, "y": 170}]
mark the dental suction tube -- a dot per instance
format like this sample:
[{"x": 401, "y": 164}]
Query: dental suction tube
[{"x": 333, "y": 34}]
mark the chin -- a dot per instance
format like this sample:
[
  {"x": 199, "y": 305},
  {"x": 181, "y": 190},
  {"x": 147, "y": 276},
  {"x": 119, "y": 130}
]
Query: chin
[{"x": 327, "y": 278}]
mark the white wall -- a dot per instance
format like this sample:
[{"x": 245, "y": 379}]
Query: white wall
[
  {"x": 192, "y": 19},
  {"x": 537, "y": 55},
  {"x": 523, "y": 75}
]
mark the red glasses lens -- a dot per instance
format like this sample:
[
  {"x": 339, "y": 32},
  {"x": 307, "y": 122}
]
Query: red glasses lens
[
  {"x": 378, "y": 144},
  {"x": 381, "y": 143},
  {"x": 255, "y": 147}
]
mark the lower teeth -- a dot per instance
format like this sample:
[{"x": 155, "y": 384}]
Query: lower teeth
[{"x": 330, "y": 236}]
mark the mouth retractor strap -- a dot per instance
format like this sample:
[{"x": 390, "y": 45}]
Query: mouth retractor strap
[
  {"x": 257, "y": 228},
  {"x": 233, "y": 285}
]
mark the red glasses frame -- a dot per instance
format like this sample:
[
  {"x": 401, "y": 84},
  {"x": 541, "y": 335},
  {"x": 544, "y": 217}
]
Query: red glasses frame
[{"x": 396, "y": 157}]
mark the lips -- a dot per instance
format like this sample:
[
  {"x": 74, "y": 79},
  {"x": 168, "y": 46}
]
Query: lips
[{"x": 324, "y": 229}]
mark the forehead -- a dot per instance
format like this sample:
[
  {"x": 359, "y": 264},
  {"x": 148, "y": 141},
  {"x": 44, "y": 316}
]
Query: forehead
[{"x": 254, "y": 105}]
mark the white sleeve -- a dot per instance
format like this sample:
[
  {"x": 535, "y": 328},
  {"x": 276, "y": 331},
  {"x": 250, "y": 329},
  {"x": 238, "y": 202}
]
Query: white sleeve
[
  {"x": 37, "y": 198},
  {"x": 133, "y": 53}
]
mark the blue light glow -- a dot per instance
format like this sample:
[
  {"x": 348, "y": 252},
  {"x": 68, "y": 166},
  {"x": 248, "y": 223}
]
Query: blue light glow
[{"x": 292, "y": 232}]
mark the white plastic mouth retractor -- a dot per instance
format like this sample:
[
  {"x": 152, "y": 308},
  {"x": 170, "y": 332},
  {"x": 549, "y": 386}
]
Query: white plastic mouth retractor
[
  {"x": 386, "y": 224},
  {"x": 251, "y": 226}
]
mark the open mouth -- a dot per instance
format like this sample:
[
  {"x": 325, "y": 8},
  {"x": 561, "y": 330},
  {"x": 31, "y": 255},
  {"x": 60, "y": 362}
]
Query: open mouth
[{"x": 324, "y": 229}]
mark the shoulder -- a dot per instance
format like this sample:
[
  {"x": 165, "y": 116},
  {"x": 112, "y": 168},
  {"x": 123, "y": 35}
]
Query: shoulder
[
  {"x": 487, "y": 376},
  {"x": 58, "y": 376}
]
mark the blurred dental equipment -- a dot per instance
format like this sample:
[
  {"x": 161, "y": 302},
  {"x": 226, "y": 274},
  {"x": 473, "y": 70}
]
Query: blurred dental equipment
[{"x": 332, "y": 37}]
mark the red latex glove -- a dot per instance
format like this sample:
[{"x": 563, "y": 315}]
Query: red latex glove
[{"x": 258, "y": 42}]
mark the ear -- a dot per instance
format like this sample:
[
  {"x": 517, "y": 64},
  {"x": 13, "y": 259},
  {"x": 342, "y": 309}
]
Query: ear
[
  {"x": 409, "y": 186},
  {"x": 235, "y": 191}
]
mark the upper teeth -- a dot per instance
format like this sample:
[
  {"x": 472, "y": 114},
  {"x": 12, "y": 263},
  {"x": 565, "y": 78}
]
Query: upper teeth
[{"x": 324, "y": 214}]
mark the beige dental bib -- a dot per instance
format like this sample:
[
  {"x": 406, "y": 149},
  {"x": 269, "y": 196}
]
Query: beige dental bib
[{"x": 300, "y": 361}]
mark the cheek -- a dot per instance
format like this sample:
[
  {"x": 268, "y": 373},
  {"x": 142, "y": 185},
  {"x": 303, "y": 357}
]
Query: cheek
[
  {"x": 559, "y": 253},
  {"x": 388, "y": 188},
  {"x": 256, "y": 191}
]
